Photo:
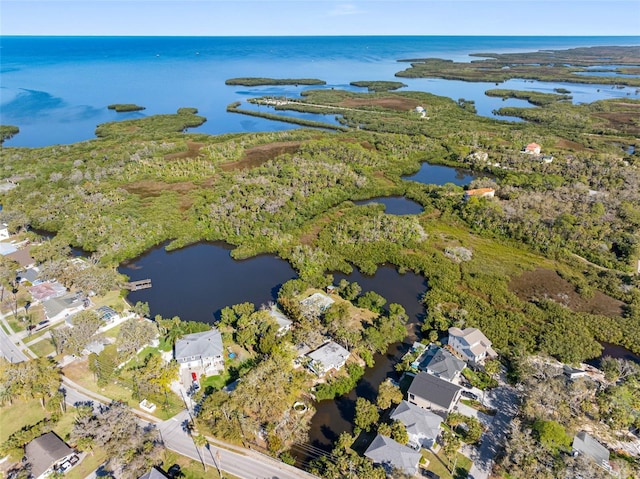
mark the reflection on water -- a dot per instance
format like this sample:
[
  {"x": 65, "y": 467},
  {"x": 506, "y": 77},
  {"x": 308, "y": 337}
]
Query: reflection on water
[{"x": 394, "y": 205}]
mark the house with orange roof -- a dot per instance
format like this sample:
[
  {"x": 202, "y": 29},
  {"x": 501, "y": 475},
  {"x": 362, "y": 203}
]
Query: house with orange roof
[
  {"x": 532, "y": 149},
  {"x": 480, "y": 193}
]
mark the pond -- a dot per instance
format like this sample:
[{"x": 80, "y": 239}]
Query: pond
[
  {"x": 440, "y": 175},
  {"x": 196, "y": 282},
  {"x": 394, "y": 205},
  {"x": 615, "y": 351},
  {"x": 336, "y": 416}
]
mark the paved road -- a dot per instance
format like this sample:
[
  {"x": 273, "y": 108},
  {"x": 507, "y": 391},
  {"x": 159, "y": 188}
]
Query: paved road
[
  {"x": 505, "y": 401},
  {"x": 246, "y": 464},
  {"x": 8, "y": 348}
]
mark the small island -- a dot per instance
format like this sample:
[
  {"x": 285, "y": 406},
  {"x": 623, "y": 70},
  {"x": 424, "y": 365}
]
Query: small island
[
  {"x": 125, "y": 107},
  {"x": 535, "y": 98},
  {"x": 378, "y": 86},
  {"x": 257, "y": 81},
  {"x": 7, "y": 132}
]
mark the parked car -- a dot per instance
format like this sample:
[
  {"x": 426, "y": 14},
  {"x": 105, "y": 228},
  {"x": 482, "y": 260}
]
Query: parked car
[
  {"x": 431, "y": 474},
  {"x": 470, "y": 395}
]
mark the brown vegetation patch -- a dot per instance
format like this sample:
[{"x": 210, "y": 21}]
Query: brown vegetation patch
[
  {"x": 625, "y": 121},
  {"x": 397, "y": 103},
  {"x": 152, "y": 189},
  {"x": 260, "y": 154},
  {"x": 309, "y": 237},
  {"x": 193, "y": 150},
  {"x": 570, "y": 145},
  {"x": 547, "y": 284}
]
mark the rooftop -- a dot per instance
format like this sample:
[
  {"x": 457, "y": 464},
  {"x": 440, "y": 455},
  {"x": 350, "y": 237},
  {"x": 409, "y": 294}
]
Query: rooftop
[
  {"x": 44, "y": 451},
  {"x": 329, "y": 355},
  {"x": 384, "y": 450},
  {"x": 586, "y": 444},
  {"x": 442, "y": 363},
  {"x": 207, "y": 344},
  {"x": 433, "y": 389},
  {"x": 417, "y": 420}
]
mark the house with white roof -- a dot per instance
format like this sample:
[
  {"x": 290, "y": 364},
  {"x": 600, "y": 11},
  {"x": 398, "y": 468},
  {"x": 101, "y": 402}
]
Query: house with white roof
[
  {"x": 585, "y": 444},
  {"x": 423, "y": 427},
  {"x": 317, "y": 302},
  {"x": 200, "y": 353},
  {"x": 327, "y": 357},
  {"x": 471, "y": 344},
  {"x": 284, "y": 323},
  {"x": 4, "y": 232}
]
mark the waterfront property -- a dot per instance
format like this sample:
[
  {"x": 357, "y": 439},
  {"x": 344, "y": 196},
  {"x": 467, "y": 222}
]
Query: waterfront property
[
  {"x": 4, "y": 232},
  {"x": 327, "y": 357},
  {"x": 471, "y": 344},
  {"x": 48, "y": 454},
  {"x": 198, "y": 354},
  {"x": 284, "y": 323},
  {"x": 317, "y": 302},
  {"x": 423, "y": 427},
  {"x": 391, "y": 454},
  {"x": 440, "y": 362},
  {"x": 431, "y": 392},
  {"x": 585, "y": 444}
]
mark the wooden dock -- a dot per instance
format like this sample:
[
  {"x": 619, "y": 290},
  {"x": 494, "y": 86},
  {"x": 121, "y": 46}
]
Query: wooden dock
[{"x": 137, "y": 285}]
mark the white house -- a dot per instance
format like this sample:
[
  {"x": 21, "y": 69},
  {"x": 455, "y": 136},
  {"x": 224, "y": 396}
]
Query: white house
[
  {"x": 284, "y": 323},
  {"x": 200, "y": 353},
  {"x": 4, "y": 232},
  {"x": 532, "y": 149},
  {"x": 318, "y": 302},
  {"x": 327, "y": 357},
  {"x": 423, "y": 427},
  {"x": 471, "y": 344}
]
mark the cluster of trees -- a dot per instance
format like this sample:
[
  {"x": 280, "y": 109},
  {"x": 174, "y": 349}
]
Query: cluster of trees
[
  {"x": 39, "y": 378},
  {"x": 554, "y": 409},
  {"x": 131, "y": 449}
]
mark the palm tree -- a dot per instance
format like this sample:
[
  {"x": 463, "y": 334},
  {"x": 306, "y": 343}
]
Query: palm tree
[{"x": 201, "y": 441}]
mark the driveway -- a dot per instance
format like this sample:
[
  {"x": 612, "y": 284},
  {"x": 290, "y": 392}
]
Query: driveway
[{"x": 505, "y": 401}]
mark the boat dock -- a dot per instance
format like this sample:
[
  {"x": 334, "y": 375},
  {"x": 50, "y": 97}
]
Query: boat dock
[{"x": 137, "y": 285}]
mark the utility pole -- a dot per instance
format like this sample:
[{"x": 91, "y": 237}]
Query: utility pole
[{"x": 218, "y": 463}]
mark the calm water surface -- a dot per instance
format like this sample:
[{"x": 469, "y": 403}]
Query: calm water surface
[
  {"x": 196, "y": 282},
  {"x": 440, "y": 175},
  {"x": 395, "y": 205},
  {"x": 56, "y": 89}
]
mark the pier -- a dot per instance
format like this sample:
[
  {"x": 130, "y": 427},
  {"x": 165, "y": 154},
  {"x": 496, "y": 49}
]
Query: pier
[{"x": 137, "y": 285}]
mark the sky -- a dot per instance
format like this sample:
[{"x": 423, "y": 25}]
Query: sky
[{"x": 320, "y": 17}]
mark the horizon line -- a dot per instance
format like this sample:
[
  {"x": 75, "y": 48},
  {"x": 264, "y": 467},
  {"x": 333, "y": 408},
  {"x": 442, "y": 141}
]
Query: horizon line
[{"x": 319, "y": 35}]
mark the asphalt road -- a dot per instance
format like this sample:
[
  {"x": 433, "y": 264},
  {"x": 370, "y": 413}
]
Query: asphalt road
[
  {"x": 247, "y": 464},
  {"x": 9, "y": 350}
]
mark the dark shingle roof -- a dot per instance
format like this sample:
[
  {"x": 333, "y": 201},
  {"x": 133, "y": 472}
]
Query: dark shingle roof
[
  {"x": 433, "y": 389},
  {"x": 44, "y": 451},
  {"x": 384, "y": 450},
  {"x": 443, "y": 364},
  {"x": 154, "y": 473},
  {"x": 207, "y": 344}
]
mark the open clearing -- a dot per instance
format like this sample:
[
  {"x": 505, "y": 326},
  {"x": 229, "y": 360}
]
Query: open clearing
[{"x": 547, "y": 284}]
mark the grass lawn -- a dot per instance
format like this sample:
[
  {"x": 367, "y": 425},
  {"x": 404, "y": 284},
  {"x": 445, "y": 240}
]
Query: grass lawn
[
  {"x": 191, "y": 469},
  {"x": 216, "y": 382},
  {"x": 21, "y": 413},
  {"x": 438, "y": 463},
  {"x": 111, "y": 299},
  {"x": 87, "y": 466},
  {"x": 113, "y": 332},
  {"x": 43, "y": 347},
  {"x": 121, "y": 389},
  {"x": 15, "y": 324}
]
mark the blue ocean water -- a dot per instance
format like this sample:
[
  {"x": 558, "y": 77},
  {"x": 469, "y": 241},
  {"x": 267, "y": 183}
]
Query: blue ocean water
[{"x": 56, "y": 89}]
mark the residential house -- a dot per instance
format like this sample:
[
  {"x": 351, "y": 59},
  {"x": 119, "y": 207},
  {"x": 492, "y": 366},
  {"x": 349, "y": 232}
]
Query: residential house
[
  {"x": 155, "y": 473},
  {"x": 423, "y": 427},
  {"x": 30, "y": 275},
  {"x": 585, "y": 444},
  {"x": 23, "y": 258},
  {"x": 431, "y": 392},
  {"x": 7, "y": 248},
  {"x": 391, "y": 454},
  {"x": 200, "y": 353},
  {"x": 63, "y": 306},
  {"x": 327, "y": 357},
  {"x": 573, "y": 373},
  {"x": 441, "y": 363},
  {"x": 4, "y": 232},
  {"x": 284, "y": 323},
  {"x": 47, "y": 290},
  {"x": 49, "y": 453},
  {"x": 471, "y": 344},
  {"x": 479, "y": 193},
  {"x": 532, "y": 149},
  {"x": 319, "y": 302}
]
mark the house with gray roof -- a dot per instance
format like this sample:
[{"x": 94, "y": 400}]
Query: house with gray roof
[
  {"x": 423, "y": 427},
  {"x": 391, "y": 454},
  {"x": 327, "y": 357},
  {"x": 200, "y": 353},
  {"x": 430, "y": 392},
  {"x": 284, "y": 323},
  {"x": 585, "y": 444},
  {"x": 155, "y": 473},
  {"x": 317, "y": 303},
  {"x": 63, "y": 307},
  {"x": 441, "y": 363},
  {"x": 471, "y": 344},
  {"x": 47, "y": 453},
  {"x": 31, "y": 275}
]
